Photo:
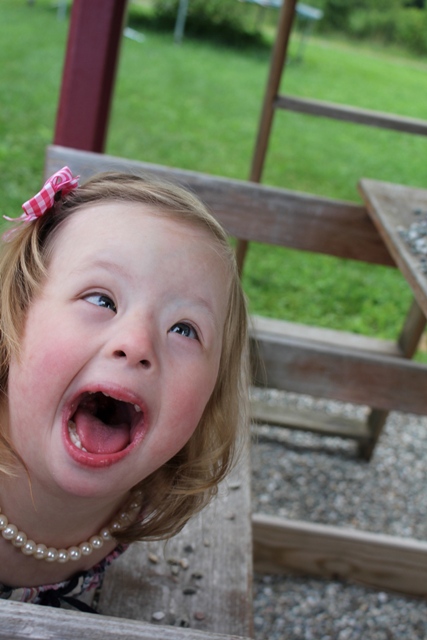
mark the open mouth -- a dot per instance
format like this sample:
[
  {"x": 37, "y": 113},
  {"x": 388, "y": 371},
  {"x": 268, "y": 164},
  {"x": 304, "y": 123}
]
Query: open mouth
[{"x": 102, "y": 424}]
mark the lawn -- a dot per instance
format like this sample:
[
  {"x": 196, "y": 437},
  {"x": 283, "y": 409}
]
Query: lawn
[{"x": 197, "y": 106}]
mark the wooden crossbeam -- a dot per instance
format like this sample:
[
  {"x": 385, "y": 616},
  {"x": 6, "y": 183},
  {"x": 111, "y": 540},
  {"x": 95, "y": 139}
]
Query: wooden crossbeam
[
  {"x": 19, "y": 621},
  {"x": 340, "y": 373},
  {"x": 376, "y": 560},
  {"x": 351, "y": 114}
]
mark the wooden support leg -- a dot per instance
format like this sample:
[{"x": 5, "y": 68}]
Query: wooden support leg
[{"x": 408, "y": 341}]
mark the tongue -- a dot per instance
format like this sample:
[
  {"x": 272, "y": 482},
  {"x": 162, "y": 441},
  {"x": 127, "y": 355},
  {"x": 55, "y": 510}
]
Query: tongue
[{"x": 97, "y": 437}]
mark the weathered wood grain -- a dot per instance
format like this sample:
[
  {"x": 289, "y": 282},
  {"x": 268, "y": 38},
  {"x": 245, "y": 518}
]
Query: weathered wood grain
[
  {"x": 263, "y": 412},
  {"x": 351, "y": 114},
  {"x": 380, "y": 561},
  {"x": 255, "y": 212},
  {"x": 344, "y": 339},
  {"x": 20, "y": 621},
  {"x": 201, "y": 578},
  {"x": 392, "y": 206},
  {"x": 336, "y": 372}
]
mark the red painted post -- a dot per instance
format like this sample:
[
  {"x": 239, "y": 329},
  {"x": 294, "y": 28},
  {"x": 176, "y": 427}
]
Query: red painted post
[{"x": 94, "y": 38}]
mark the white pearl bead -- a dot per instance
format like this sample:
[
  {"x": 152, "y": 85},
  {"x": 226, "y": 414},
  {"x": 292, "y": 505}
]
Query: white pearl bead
[
  {"x": 3, "y": 522},
  {"x": 20, "y": 539},
  {"x": 29, "y": 548},
  {"x": 40, "y": 552},
  {"x": 52, "y": 554},
  {"x": 63, "y": 556},
  {"x": 10, "y": 532},
  {"x": 86, "y": 548},
  {"x": 105, "y": 534},
  {"x": 96, "y": 542},
  {"x": 74, "y": 553}
]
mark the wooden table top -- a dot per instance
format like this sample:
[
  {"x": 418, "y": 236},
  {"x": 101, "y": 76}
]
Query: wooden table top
[{"x": 400, "y": 215}]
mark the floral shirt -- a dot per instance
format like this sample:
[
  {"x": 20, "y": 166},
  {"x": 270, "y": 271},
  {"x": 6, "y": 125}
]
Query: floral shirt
[{"x": 67, "y": 592}]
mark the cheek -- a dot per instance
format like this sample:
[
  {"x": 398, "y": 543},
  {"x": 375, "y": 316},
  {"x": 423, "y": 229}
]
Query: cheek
[{"x": 189, "y": 403}]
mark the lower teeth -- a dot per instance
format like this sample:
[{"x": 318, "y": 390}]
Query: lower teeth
[{"x": 74, "y": 436}]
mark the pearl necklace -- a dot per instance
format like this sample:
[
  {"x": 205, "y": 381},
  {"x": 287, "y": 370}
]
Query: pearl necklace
[{"x": 40, "y": 551}]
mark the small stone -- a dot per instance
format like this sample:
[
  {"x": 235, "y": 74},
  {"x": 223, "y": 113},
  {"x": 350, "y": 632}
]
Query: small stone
[
  {"x": 183, "y": 622},
  {"x": 174, "y": 570},
  {"x": 189, "y": 591},
  {"x": 199, "y": 615},
  {"x": 197, "y": 575},
  {"x": 230, "y": 516},
  {"x": 206, "y": 543},
  {"x": 158, "y": 616},
  {"x": 189, "y": 548},
  {"x": 234, "y": 486},
  {"x": 153, "y": 558},
  {"x": 173, "y": 561},
  {"x": 184, "y": 563}
]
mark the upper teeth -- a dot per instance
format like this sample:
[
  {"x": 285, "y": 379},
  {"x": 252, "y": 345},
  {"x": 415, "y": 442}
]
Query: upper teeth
[{"x": 137, "y": 409}]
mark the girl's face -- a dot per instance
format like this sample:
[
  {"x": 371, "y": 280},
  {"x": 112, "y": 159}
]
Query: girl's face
[{"x": 120, "y": 352}]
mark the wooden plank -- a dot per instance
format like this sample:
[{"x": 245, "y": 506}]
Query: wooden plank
[
  {"x": 256, "y": 212},
  {"x": 201, "y": 578},
  {"x": 379, "y": 561},
  {"x": 352, "y": 114},
  {"x": 392, "y": 207},
  {"x": 340, "y": 373},
  {"x": 345, "y": 339},
  {"x": 19, "y": 621},
  {"x": 264, "y": 412},
  {"x": 89, "y": 73}
]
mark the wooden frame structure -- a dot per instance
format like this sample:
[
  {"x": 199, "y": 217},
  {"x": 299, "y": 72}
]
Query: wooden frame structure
[{"x": 415, "y": 322}]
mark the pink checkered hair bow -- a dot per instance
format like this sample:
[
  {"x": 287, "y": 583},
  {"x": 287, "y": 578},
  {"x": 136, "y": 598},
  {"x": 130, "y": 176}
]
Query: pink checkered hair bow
[{"x": 62, "y": 182}]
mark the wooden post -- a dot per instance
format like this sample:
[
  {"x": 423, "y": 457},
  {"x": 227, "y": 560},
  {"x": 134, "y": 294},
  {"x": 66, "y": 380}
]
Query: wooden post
[
  {"x": 286, "y": 18},
  {"x": 88, "y": 79}
]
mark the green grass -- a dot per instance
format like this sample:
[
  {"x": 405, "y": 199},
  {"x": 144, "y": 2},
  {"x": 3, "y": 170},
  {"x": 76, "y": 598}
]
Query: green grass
[{"x": 197, "y": 106}]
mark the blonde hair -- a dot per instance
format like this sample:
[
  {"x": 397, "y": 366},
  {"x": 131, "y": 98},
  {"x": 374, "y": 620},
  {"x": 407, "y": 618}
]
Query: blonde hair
[{"x": 186, "y": 483}]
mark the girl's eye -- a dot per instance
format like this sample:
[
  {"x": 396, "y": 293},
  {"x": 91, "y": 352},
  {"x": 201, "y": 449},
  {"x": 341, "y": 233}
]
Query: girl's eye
[
  {"x": 101, "y": 300},
  {"x": 184, "y": 329}
]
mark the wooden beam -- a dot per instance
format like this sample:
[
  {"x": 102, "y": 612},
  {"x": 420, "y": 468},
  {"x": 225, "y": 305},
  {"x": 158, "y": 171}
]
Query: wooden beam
[
  {"x": 323, "y": 335},
  {"x": 256, "y": 212},
  {"x": 88, "y": 78},
  {"x": 379, "y": 561},
  {"x": 263, "y": 412},
  {"x": 351, "y": 114},
  {"x": 278, "y": 59},
  {"x": 327, "y": 371},
  {"x": 19, "y": 621}
]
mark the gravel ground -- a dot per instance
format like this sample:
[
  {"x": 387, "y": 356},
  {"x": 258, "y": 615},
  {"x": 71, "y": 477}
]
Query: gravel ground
[{"x": 320, "y": 479}]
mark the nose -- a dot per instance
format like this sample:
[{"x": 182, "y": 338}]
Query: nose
[{"x": 134, "y": 344}]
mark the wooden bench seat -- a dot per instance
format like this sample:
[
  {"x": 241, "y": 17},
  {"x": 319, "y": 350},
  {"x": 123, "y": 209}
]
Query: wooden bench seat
[{"x": 201, "y": 578}]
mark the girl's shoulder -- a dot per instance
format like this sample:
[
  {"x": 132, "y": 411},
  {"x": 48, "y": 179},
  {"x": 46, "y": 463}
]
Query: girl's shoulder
[{"x": 65, "y": 593}]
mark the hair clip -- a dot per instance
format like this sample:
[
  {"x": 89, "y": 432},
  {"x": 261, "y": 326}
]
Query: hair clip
[{"x": 58, "y": 185}]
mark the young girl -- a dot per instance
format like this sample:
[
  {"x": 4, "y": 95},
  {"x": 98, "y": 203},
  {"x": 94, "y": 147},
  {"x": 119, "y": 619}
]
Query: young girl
[{"x": 122, "y": 370}]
